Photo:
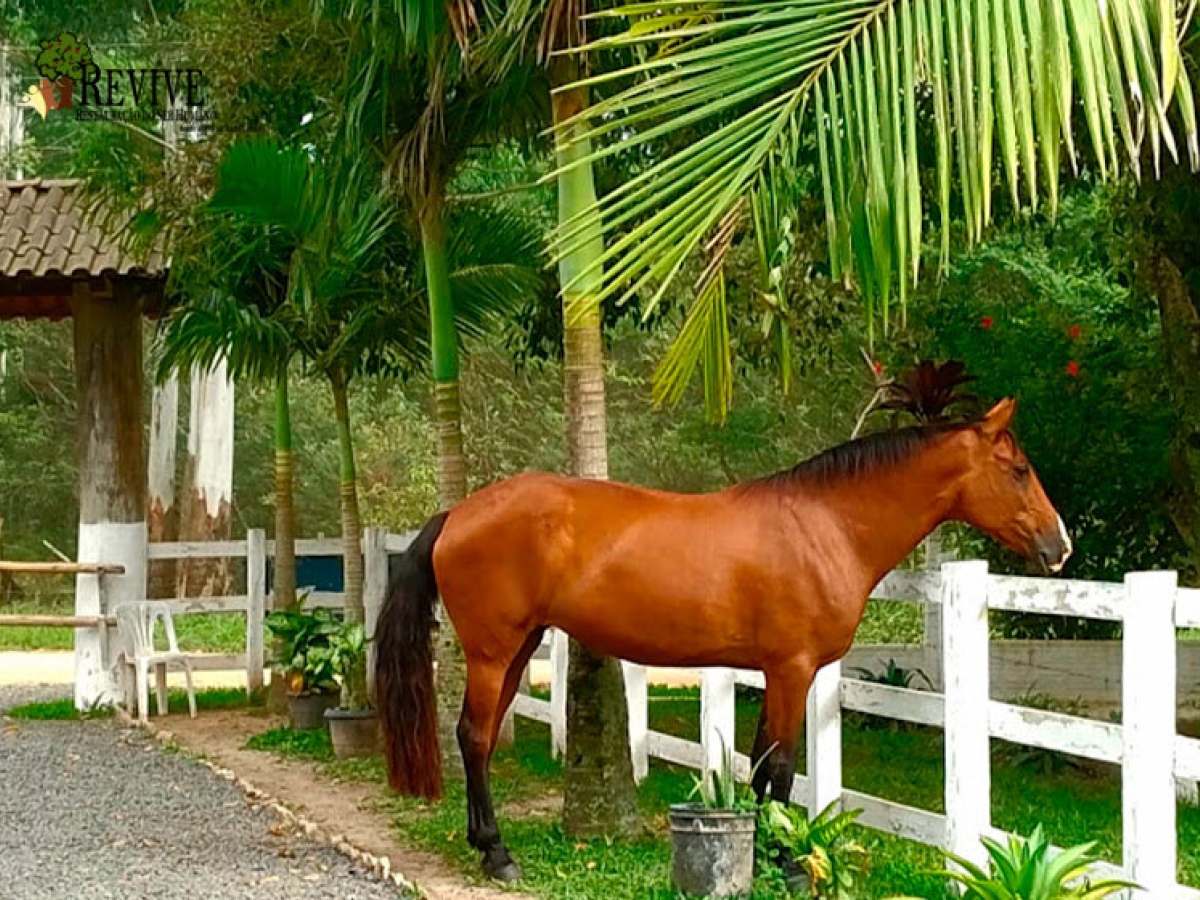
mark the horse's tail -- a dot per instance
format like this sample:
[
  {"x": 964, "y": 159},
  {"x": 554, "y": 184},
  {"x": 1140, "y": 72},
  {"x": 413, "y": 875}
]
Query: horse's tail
[{"x": 404, "y": 670}]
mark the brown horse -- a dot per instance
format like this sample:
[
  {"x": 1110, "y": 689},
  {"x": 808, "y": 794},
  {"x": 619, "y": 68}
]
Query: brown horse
[{"x": 771, "y": 574}]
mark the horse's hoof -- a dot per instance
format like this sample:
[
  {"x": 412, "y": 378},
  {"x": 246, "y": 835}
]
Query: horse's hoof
[{"x": 506, "y": 871}]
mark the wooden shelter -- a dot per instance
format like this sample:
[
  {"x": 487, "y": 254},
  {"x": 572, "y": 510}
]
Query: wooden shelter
[{"x": 56, "y": 262}]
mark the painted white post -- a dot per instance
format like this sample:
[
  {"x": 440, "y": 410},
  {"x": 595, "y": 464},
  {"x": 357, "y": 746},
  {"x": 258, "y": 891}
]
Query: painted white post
[
  {"x": 558, "y": 693},
  {"x": 717, "y": 715},
  {"x": 256, "y": 605},
  {"x": 823, "y": 736},
  {"x": 375, "y": 585},
  {"x": 113, "y": 543},
  {"x": 965, "y": 670},
  {"x": 1148, "y": 728},
  {"x": 637, "y": 698},
  {"x": 936, "y": 555}
]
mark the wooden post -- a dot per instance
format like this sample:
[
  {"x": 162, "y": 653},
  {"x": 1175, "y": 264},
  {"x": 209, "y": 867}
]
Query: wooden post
[
  {"x": 965, "y": 669},
  {"x": 559, "y": 651},
  {"x": 823, "y": 737},
  {"x": 207, "y": 497},
  {"x": 717, "y": 715},
  {"x": 112, "y": 475},
  {"x": 637, "y": 697},
  {"x": 256, "y": 606},
  {"x": 936, "y": 555},
  {"x": 1148, "y": 729},
  {"x": 162, "y": 515},
  {"x": 375, "y": 585}
]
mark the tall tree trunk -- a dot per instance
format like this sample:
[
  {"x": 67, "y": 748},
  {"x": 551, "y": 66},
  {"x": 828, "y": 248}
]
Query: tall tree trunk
[
  {"x": 1181, "y": 343},
  {"x": 283, "y": 591},
  {"x": 599, "y": 797},
  {"x": 452, "y": 467},
  {"x": 354, "y": 690},
  {"x": 206, "y": 509},
  {"x": 162, "y": 513}
]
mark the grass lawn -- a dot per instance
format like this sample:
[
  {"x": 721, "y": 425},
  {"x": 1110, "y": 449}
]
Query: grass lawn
[
  {"x": 209, "y": 698},
  {"x": 1075, "y": 805}
]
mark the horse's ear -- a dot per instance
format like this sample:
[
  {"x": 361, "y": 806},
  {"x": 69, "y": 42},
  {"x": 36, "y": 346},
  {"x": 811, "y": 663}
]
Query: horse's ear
[{"x": 999, "y": 417}]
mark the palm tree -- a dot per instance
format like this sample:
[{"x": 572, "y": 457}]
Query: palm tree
[{"x": 863, "y": 81}]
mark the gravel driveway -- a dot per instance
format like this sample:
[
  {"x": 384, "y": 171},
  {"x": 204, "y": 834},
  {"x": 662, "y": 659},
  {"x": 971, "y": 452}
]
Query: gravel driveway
[{"x": 92, "y": 811}]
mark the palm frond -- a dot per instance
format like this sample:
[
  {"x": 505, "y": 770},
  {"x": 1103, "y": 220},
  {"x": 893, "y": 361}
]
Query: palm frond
[{"x": 1003, "y": 77}]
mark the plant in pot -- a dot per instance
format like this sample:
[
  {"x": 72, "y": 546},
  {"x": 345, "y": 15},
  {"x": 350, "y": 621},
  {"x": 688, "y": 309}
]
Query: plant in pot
[
  {"x": 353, "y": 725},
  {"x": 811, "y": 857},
  {"x": 303, "y": 646},
  {"x": 712, "y": 838}
]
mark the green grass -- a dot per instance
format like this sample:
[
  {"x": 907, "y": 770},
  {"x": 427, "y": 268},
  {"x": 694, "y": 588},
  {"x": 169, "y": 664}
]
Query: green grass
[
  {"x": 1075, "y": 805},
  {"x": 210, "y": 699}
]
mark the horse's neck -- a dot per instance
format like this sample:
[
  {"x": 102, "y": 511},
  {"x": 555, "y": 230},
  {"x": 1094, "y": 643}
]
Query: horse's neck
[{"x": 887, "y": 513}]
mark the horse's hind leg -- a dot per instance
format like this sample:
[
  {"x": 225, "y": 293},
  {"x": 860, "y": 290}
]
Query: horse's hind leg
[
  {"x": 512, "y": 678},
  {"x": 483, "y": 707}
]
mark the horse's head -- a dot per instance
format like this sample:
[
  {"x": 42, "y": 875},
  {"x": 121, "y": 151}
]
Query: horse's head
[{"x": 1002, "y": 496}]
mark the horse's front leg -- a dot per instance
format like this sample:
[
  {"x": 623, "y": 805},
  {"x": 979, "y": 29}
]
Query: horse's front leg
[{"x": 784, "y": 705}]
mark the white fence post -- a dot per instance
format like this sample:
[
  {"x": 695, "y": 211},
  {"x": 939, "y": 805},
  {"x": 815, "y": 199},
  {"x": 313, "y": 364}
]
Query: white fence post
[
  {"x": 823, "y": 738},
  {"x": 965, "y": 672},
  {"x": 1148, "y": 729},
  {"x": 637, "y": 698},
  {"x": 717, "y": 715},
  {"x": 256, "y": 602},
  {"x": 558, "y": 693},
  {"x": 375, "y": 584}
]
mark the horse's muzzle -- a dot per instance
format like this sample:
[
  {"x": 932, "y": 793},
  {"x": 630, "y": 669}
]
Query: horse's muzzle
[{"x": 1053, "y": 548}]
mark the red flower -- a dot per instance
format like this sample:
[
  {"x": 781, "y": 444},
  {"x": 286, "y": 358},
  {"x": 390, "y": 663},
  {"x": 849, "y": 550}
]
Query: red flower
[
  {"x": 1073, "y": 369},
  {"x": 878, "y": 367},
  {"x": 986, "y": 322},
  {"x": 1074, "y": 332}
]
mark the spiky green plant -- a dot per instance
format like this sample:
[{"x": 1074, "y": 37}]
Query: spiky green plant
[
  {"x": 1030, "y": 869},
  {"x": 819, "y": 848}
]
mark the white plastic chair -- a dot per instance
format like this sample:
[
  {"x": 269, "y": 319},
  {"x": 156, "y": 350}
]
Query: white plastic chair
[{"x": 136, "y": 621}]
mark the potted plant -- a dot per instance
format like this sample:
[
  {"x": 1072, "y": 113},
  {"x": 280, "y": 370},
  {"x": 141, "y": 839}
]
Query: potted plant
[
  {"x": 353, "y": 725},
  {"x": 303, "y": 646},
  {"x": 813, "y": 857},
  {"x": 712, "y": 839}
]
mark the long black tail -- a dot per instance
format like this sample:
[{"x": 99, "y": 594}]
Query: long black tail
[{"x": 404, "y": 670}]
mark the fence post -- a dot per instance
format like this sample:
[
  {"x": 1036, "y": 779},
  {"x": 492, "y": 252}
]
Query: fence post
[
  {"x": 256, "y": 602},
  {"x": 637, "y": 698},
  {"x": 936, "y": 554},
  {"x": 717, "y": 715},
  {"x": 375, "y": 583},
  {"x": 558, "y": 693},
  {"x": 965, "y": 672},
  {"x": 823, "y": 737},
  {"x": 1148, "y": 729}
]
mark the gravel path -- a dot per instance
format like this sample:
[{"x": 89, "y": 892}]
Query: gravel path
[{"x": 92, "y": 810}]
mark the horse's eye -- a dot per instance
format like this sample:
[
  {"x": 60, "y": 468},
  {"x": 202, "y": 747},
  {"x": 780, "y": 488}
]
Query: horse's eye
[{"x": 1021, "y": 471}]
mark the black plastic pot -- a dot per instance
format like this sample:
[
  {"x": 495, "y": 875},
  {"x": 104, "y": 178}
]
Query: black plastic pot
[
  {"x": 355, "y": 732},
  {"x": 712, "y": 850},
  {"x": 307, "y": 711}
]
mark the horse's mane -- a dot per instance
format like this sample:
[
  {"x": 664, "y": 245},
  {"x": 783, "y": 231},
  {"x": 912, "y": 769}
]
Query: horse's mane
[{"x": 858, "y": 457}]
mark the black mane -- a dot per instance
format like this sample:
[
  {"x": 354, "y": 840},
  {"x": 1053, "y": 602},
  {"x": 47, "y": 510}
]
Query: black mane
[{"x": 870, "y": 453}]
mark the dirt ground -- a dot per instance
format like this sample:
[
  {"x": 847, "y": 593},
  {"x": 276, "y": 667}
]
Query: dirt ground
[{"x": 352, "y": 810}]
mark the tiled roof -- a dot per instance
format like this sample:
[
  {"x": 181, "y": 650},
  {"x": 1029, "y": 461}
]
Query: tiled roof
[{"x": 45, "y": 239}]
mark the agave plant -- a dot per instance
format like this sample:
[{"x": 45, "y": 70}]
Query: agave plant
[{"x": 1029, "y": 869}]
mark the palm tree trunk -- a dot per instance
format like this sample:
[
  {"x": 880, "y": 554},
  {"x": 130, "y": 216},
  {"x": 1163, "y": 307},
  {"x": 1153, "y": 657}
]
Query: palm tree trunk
[
  {"x": 599, "y": 797},
  {"x": 283, "y": 592},
  {"x": 452, "y": 469},
  {"x": 354, "y": 690}
]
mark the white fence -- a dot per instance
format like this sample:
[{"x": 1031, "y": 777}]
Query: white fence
[{"x": 1153, "y": 758}]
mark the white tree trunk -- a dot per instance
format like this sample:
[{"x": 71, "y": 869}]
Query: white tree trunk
[
  {"x": 162, "y": 513},
  {"x": 207, "y": 496}
]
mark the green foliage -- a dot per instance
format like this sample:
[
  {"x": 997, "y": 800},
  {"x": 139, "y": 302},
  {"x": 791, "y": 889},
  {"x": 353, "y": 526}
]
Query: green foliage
[
  {"x": 894, "y": 675},
  {"x": 830, "y": 863},
  {"x": 313, "y": 744},
  {"x": 58, "y": 710},
  {"x": 64, "y": 57},
  {"x": 1029, "y": 869},
  {"x": 309, "y": 647},
  {"x": 719, "y": 788}
]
